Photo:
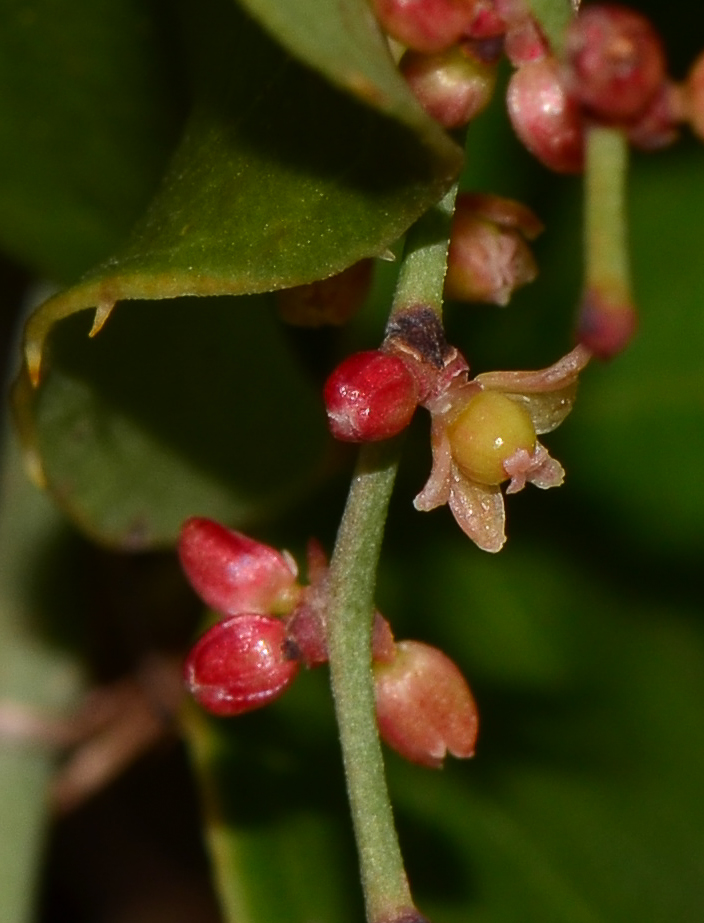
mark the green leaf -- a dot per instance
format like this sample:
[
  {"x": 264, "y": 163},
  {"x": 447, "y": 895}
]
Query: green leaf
[
  {"x": 342, "y": 40},
  {"x": 279, "y": 180},
  {"x": 163, "y": 417},
  {"x": 91, "y": 103}
]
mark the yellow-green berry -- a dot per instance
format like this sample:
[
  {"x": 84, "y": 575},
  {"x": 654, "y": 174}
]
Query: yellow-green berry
[{"x": 488, "y": 431}]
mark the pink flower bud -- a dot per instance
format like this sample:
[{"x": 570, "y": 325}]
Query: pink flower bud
[
  {"x": 370, "y": 396},
  {"x": 240, "y": 664},
  {"x": 426, "y": 25},
  {"x": 452, "y": 85},
  {"x": 424, "y": 707},
  {"x": 545, "y": 118},
  {"x": 232, "y": 573},
  {"x": 488, "y": 256},
  {"x": 331, "y": 301},
  {"x": 615, "y": 61}
]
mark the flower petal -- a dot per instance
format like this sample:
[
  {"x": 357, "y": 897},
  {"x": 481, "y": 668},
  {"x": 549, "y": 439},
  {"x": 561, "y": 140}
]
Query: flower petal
[
  {"x": 478, "y": 510},
  {"x": 548, "y": 394},
  {"x": 437, "y": 489},
  {"x": 538, "y": 468}
]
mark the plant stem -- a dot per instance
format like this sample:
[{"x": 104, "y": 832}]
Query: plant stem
[
  {"x": 352, "y": 578},
  {"x": 554, "y": 17},
  {"x": 350, "y": 615},
  {"x": 605, "y": 225},
  {"x": 422, "y": 275},
  {"x": 607, "y": 318}
]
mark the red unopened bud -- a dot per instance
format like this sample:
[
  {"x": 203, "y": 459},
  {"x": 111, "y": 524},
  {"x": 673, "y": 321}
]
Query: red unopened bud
[
  {"x": 452, "y": 85},
  {"x": 615, "y": 61},
  {"x": 658, "y": 125},
  {"x": 488, "y": 257},
  {"x": 545, "y": 118},
  {"x": 370, "y": 396},
  {"x": 424, "y": 707},
  {"x": 426, "y": 25},
  {"x": 233, "y": 573},
  {"x": 525, "y": 42},
  {"x": 605, "y": 325},
  {"x": 331, "y": 301},
  {"x": 240, "y": 664}
]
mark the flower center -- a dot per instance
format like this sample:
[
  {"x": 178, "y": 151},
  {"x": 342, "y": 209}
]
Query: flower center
[{"x": 489, "y": 430}]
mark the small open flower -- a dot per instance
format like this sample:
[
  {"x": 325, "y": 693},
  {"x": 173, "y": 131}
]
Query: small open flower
[{"x": 484, "y": 433}]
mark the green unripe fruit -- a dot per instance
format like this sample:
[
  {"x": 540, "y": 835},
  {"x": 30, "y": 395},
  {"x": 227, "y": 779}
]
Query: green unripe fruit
[{"x": 489, "y": 430}]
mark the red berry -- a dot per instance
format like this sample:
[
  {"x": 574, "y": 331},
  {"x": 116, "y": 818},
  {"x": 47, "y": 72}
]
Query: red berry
[
  {"x": 426, "y": 25},
  {"x": 545, "y": 118},
  {"x": 424, "y": 707},
  {"x": 233, "y": 573},
  {"x": 370, "y": 396},
  {"x": 240, "y": 664},
  {"x": 615, "y": 61}
]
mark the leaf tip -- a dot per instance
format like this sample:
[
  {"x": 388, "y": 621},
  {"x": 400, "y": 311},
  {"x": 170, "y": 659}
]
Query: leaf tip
[
  {"x": 33, "y": 358},
  {"x": 103, "y": 310}
]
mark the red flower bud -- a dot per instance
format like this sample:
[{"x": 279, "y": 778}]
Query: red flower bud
[
  {"x": 426, "y": 25},
  {"x": 605, "y": 325},
  {"x": 331, "y": 301},
  {"x": 545, "y": 118},
  {"x": 240, "y": 664},
  {"x": 424, "y": 707},
  {"x": 233, "y": 573},
  {"x": 452, "y": 85},
  {"x": 615, "y": 61},
  {"x": 370, "y": 396}
]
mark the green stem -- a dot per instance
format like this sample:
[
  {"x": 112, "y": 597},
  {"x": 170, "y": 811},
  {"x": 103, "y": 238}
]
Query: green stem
[
  {"x": 350, "y": 615},
  {"x": 554, "y": 17},
  {"x": 607, "y": 267},
  {"x": 352, "y": 579},
  {"x": 422, "y": 275}
]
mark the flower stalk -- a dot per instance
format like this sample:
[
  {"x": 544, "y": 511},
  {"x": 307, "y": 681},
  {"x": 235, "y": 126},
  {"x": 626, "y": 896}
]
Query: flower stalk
[
  {"x": 351, "y": 607},
  {"x": 607, "y": 319}
]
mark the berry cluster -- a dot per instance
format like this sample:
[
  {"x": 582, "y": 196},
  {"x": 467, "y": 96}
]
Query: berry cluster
[{"x": 272, "y": 625}]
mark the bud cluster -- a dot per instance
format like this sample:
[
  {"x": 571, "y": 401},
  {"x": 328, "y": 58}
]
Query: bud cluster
[
  {"x": 273, "y": 625},
  {"x": 612, "y": 72}
]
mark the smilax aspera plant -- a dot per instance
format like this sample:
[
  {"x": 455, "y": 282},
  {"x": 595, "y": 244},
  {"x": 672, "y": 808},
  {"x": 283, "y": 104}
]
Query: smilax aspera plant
[{"x": 308, "y": 234}]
